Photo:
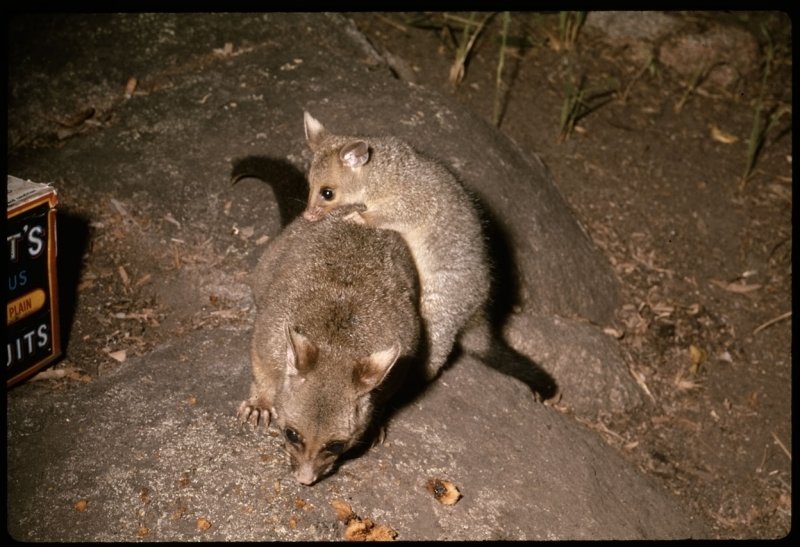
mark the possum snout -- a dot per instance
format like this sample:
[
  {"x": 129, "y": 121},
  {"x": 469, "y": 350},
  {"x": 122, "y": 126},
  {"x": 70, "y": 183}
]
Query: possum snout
[
  {"x": 314, "y": 213},
  {"x": 305, "y": 474}
]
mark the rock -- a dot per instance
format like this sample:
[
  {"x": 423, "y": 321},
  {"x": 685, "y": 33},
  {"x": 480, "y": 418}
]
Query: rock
[
  {"x": 639, "y": 31},
  {"x": 729, "y": 52},
  {"x": 684, "y": 45},
  {"x": 592, "y": 376},
  {"x": 155, "y": 445},
  {"x": 624, "y": 27}
]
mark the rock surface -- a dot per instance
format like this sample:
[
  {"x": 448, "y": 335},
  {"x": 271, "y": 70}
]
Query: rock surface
[
  {"x": 719, "y": 54},
  {"x": 153, "y": 447}
]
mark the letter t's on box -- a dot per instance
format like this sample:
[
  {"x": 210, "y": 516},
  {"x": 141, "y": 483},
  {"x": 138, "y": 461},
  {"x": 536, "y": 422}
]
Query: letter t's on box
[{"x": 32, "y": 329}]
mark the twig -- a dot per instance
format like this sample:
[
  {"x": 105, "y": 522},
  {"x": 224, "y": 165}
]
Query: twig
[
  {"x": 647, "y": 64},
  {"x": 395, "y": 24},
  {"x": 777, "y": 440},
  {"x": 499, "y": 77},
  {"x": 771, "y": 322},
  {"x": 697, "y": 79},
  {"x": 459, "y": 19}
]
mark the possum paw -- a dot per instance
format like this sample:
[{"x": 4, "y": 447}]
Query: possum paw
[
  {"x": 355, "y": 217},
  {"x": 249, "y": 412}
]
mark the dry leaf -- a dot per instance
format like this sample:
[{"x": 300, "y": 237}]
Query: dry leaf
[
  {"x": 696, "y": 356},
  {"x": 725, "y": 356},
  {"x": 142, "y": 280},
  {"x": 65, "y": 370},
  {"x": 663, "y": 310},
  {"x": 49, "y": 374},
  {"x": 694, "y": 309},
  {"x": 130, "y": 87},
  {"x": 736, "y": 286},
  {"x": 124, "y": 276},
  {"x": 722, "y": 136},
  {"x": 119, "y": 356},
  {"x": 81, "y": 505},
  {"x": 203, "y": 524},
  {"x": 119, "y": 207},
  {"x": 143, "y": 531},
  {"x": 169, "y": 218},
  {"x": 640, "y": 379}
]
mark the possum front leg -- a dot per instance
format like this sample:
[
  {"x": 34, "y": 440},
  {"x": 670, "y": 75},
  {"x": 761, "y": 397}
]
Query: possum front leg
[
  {"x": 258, "y": 408},
  {"x": 370, "y": 217}
]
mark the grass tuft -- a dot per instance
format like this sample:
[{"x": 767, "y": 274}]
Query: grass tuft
[
  {"x": 581, "y": 101},
  {"x": 569, "y": 25},
  {"x": 763, "y": 118},
  {"x": 469, "y": 34}
]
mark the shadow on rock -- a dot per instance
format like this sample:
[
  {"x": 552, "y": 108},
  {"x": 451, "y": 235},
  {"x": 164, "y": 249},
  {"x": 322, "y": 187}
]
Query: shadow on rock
[
  {"x": 504, "y": 295},
  {"x": 288, "y": 183}
]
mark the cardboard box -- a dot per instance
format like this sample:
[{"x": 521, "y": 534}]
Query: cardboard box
[{"x": 32, "y": 328}]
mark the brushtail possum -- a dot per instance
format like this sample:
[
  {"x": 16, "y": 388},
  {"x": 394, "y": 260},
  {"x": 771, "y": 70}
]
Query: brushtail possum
[
  {"x": 337, "y": 326},
  {"x": 404, "y": 191}
]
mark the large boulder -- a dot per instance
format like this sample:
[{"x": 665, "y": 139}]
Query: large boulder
[{"x": 154, "y": 451}]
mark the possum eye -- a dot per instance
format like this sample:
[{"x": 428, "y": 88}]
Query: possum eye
[
  {"x": 327, "y": 193},
  {"x": 335, "y": 447},
  {"x": 291, "y": 435}
]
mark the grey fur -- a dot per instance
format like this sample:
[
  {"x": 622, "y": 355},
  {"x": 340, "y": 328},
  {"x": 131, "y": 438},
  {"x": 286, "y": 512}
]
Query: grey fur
[{"x": 423, "y": 201}]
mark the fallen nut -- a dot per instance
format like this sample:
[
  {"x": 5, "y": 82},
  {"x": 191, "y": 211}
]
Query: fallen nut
[
  {"x": 445, "y": 492},
  {"x": 358, "y": 529},
  {"x": 367, "y": 530},
  {"x": 343, "y": 510}
]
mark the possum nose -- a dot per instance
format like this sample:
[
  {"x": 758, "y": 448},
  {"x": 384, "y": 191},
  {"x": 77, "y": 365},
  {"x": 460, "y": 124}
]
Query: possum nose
[
  {"x": 305, "y": 475},
  {"x": 313, "y": 213}
]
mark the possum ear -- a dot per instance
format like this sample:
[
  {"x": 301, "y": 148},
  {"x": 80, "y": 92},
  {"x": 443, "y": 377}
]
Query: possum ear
[
  {"x": 354, "y": 154},
  {"x": 301, "y": 354},
  {"x": 315, "y": 131},
  {"x": 369, "y": 373}
]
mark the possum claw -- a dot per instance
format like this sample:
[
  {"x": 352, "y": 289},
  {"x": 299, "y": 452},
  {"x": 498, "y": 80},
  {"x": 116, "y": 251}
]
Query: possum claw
[
  {"x": 248, "y": 412},
  {"x": 380, "y": 436}
]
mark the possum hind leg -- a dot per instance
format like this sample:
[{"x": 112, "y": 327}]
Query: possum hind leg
[{"x": 446, "y": 311}]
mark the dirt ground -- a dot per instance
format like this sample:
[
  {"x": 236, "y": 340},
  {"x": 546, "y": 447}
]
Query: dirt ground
[{"x": 704, "y": 260}]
